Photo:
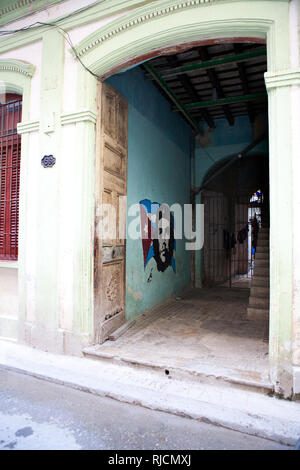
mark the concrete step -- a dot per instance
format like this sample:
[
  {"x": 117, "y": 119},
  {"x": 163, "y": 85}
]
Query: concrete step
[
  {"x": 260, "y": 281},
  {"x": 263, "y": 238},
  {"x": 204, "y": 375},
  {"x": 230, "y": 407},
  {"x": 263, "y": 242},
  {"x": 260, "y": 291},
  {"x": 263, "y": 249},
  {"x": 260, "y": 302},
  {"x": 263, "y": 256},
  {"x": 261, "y": 271},
  {"x": 263, "y": 235},
  {"x": 261, "y": 262},
  {"x": 256, "y": 313}
]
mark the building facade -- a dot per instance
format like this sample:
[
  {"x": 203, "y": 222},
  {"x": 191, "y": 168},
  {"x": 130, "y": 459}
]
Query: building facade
[{"x": 63, "y": 60}]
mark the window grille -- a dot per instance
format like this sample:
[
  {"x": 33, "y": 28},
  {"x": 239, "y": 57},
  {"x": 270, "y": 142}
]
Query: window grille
[{"x": 10, "y": 154}]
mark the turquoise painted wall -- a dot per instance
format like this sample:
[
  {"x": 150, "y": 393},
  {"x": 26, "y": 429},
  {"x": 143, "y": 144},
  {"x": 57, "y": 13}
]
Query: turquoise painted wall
[
  {"x": 222, "y": 142},
  {"x": 159, "y": 170}
]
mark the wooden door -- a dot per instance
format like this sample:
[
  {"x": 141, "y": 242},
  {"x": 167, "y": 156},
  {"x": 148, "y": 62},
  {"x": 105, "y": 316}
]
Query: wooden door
[{"x": 110, "y": 217}]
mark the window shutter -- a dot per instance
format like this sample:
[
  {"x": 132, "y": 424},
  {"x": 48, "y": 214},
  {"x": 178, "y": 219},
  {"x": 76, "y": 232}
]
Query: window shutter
[
  {"x": 10, "y": 154},
  {"x": 2, "y": 201}
]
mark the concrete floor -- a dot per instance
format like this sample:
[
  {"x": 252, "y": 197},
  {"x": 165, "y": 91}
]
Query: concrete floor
[
  {"x": 206, "y": 330},
  {"x": 40, "y": 415}
]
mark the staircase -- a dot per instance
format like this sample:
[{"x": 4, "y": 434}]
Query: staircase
[{"x": 259, "y": 300}]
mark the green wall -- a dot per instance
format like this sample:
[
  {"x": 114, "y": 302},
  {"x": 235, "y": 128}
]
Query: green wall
[{"x": 159, "y": 170}]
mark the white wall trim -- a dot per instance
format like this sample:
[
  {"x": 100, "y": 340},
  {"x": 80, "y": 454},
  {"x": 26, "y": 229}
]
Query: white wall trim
[
  {"x": 29, "y": 126},
  {"x": 18, "y": 66},
  {"x": 9, "y": 264},
  {"x": 283, "y": 78},
  {"x": 78, "y": 116}
]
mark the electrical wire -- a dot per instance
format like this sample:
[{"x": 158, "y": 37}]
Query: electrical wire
[
  {"x": 66, "y": 35},
  {"x": 37, "y": 23},
  {"x": 62, "y": 31}
]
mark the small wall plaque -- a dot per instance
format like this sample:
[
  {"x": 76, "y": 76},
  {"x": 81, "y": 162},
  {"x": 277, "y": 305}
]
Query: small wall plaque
[{"x": 48, "y": 161}]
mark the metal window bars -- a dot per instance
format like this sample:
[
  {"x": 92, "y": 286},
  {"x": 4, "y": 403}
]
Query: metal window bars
[{"x": 10, "y": 154}]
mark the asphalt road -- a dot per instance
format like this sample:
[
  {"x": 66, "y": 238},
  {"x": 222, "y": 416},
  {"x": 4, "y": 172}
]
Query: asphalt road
[{"x": 35, "y": 414}]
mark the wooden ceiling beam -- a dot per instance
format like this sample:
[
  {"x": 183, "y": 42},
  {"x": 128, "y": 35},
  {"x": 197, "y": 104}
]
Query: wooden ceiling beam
[
  {"x": 179, "y": 106},
  {"x": 212, "y": 63},
  {"x": 215, "y": 82},
  {"x": 187, "y": 84},
  {"x": 228, "y": 100},
  {"x": 244, "y": 80}
]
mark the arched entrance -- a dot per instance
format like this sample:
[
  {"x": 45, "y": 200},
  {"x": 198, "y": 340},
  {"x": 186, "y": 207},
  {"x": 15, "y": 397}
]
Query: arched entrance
[{"x": 155, "y": 28}]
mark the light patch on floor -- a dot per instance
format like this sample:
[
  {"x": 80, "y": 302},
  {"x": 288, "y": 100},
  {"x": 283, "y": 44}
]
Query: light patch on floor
[
  {"x": 205, "y": 328},
  {"x": 21, "y": 432}
]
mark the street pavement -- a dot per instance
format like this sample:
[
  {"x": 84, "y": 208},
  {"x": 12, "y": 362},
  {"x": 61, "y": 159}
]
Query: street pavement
[{"x": 36, "y": 414}]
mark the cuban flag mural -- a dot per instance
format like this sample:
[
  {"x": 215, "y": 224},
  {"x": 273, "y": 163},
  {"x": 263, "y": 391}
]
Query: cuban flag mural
[{"x": 157, "y": 231}]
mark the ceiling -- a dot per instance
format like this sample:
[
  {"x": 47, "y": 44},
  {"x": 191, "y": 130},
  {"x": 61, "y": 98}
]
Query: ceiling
[{"x": 212, "y": 82}]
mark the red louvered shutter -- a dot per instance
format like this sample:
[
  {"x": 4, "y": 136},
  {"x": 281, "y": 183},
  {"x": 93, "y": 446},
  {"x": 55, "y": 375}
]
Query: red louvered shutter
[{"x": 10, "y": 154}]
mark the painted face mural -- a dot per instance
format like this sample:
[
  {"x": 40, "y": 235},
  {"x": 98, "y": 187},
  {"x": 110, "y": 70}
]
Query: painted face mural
[{"x": 157, "y": 228}]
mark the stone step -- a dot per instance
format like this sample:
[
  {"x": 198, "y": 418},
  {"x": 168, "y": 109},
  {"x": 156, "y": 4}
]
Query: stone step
[
  {"x": 263, "y": 236},
  {"x": 263, "y": 242},
  {"x": 260, "y": 302},
  {"x": 260, "y": 291},
  {"x": 263, "y": 249},
  {"x": 263, "y": 256},
  {"x": 264, "y": 271},
  {"x": 205, "y": 374},
  {"x": 257, "y": 313},
  {"x": 260, "y": 281},
  {"x": 261, "y": 262}
]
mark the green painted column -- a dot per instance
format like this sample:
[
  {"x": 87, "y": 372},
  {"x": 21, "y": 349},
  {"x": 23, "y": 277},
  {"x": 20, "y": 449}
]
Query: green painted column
[
  {"x": 281, "y": 231},
  {"x": 44, "y": 333},
  {"x": 76, "y": 209}
]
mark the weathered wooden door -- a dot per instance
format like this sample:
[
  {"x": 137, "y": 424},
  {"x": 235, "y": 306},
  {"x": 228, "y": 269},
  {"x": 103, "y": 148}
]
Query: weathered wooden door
[{"x": 110, "y": 233}]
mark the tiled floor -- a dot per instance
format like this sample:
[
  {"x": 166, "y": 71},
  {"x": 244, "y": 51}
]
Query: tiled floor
[{"x": 206, "y": 329}]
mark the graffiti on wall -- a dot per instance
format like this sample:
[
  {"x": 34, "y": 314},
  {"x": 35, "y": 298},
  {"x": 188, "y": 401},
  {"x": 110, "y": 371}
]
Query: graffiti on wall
[{"x": 157, "y": 229}]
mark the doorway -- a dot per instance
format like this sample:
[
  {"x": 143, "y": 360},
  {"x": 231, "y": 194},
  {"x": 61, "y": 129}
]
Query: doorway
[{"x": 219, "y": 90}]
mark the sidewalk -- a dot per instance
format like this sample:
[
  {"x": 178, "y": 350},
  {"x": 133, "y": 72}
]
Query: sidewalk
[{"x": 241, "y": 410}]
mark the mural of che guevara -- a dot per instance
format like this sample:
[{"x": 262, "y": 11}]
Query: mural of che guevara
[{"x": 157, "y": 229}]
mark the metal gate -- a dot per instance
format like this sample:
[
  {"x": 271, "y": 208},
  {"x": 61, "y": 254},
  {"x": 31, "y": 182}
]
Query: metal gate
[{"x": 228, "y": 256}]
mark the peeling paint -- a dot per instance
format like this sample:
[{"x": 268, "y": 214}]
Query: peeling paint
[{"x": 159, "y": 169}]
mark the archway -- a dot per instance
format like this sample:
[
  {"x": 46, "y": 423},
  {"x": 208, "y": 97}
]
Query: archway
[{"x": 103, "y": 52}]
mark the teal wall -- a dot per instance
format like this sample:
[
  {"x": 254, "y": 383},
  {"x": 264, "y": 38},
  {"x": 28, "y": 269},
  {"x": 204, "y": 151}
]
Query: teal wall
[
  {"x": 222, "y": 142},
  {"x": 159, "y": 170}
]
